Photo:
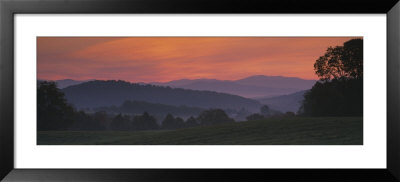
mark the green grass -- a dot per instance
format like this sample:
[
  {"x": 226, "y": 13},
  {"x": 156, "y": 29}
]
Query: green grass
[{"x": 277, "y": 131}]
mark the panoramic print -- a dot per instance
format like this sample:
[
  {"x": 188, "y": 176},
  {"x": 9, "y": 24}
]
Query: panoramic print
[{"x": 199, "y": 91}]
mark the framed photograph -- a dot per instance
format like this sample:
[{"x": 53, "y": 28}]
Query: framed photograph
[{"x": 202, "y": 90}]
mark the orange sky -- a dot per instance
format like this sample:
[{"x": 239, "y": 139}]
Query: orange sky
[{"x": 150, "y": 59}]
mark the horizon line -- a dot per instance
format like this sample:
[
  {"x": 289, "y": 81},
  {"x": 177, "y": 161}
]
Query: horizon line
[{"x": 93, "y": 79}]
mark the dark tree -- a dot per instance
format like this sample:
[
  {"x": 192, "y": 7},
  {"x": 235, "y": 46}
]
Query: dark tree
[
  {"x": 214, "y": 116},
  {"x": 341, "y": 61},
  {"x": 168, "y": 122},
  {"x": 120, "y": 123},
  {"x": 179, "y": 122},
  {"x": 172, "y": 123},
  {"x": 265, "y": 110},
  {"x": 101, "y": 118},
  {"x": 255, "y": 117},
  {"x": 340, "y": 89},
  {"x": 339, "y": 97},
  {"x": 81, "y": 117},
  {"x": 53, "y": 111},
  {"x": 84, "y": 121},
  {"x": 144, "y": 122},
  {"x": 191, "y": 122}
]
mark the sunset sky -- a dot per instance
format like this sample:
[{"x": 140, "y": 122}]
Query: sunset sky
[{"x": 160, "y": 59}]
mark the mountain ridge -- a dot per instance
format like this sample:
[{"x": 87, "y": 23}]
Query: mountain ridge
[
  {"x": 256, "y": 86},
  {"x": 107, "y": 93}
]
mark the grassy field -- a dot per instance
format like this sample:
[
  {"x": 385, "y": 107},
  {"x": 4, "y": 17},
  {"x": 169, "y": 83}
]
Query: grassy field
[{"x": 277, "y": 131}]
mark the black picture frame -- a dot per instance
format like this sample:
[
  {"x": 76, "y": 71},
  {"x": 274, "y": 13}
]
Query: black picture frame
[{"x": 9, "y": 8}]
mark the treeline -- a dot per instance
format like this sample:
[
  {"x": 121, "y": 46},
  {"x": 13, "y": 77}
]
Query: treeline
[
  {"x": 339, "y": 92},
  {"x": 124, "y": 122},
  {"x": 158, "y": 110},
  {"x": 267, "y": 112},
  {"x": 337, "y": 97},
  {"x": 54, "y": 113},
  {"x": 147, "y": 122}
]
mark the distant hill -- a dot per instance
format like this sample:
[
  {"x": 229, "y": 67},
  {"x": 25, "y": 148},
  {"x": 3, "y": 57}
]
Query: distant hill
[
  {"x": 66, "y": 82},
  {"x": 277, "y": 82},
  {"x": 250, "y": 87},
  {"x": 285, "y": 103},
  {"x": 107, "y": 93}
]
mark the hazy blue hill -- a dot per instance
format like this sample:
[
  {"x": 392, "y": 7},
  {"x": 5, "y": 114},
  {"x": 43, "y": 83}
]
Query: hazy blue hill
[
  {"x": 107, "y": 93},
  {"x": 238, "y": 89},
  {"x": 66, "y": 82},
  {"x": 285, "y": 103},
  {"x": 250, "y": 87},
  {"x": 177, "y": 83},
  {"x": 277, "y": 82}
]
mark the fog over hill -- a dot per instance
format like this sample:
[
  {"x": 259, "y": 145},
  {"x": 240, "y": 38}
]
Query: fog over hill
[
  {"x": 285, "y": 103},
  {"x": 108, "y": 93},
  {"x": 159, "y": 111},
  {"x": 258, "y": 86},
  {"x": 280, "y": 93}
]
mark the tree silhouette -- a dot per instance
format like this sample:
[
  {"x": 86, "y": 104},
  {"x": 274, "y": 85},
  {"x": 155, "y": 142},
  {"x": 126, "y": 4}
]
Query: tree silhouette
[
  {"x": 179, "y": 122},
  {"x": 341, "y": 61},
  {"x": 120, "y": 122},
  {"x": 265, "y": 110},
  {"x": 53, "y": 111},
  {"x": 101, "y": 118},
  {"x": 340, "y": 89},
  {"x": 214, "y": 116},
  {"x": 172, "y": 123},
  {"x": 191, "y": 122},
  {"x": 339, "y": 97},
  {"x": 168, "y": 122},
  {"x": 144, "y": 122}
]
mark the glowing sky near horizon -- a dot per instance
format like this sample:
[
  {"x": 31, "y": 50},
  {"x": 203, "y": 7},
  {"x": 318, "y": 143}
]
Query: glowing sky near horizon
[{"x": 160, "y": 59}]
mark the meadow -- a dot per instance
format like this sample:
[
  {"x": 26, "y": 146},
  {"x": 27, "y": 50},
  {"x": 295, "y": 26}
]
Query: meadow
[{"x": 273, "y": 131}]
